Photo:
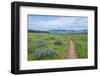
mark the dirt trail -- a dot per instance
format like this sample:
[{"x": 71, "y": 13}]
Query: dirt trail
[{"x": 72, "y": 52}]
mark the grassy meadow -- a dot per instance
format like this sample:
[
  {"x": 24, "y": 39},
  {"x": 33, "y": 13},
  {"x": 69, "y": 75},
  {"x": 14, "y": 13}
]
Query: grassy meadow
[
  {"x": 50, "y": 46},
  {"x": 81, "y": 45}
]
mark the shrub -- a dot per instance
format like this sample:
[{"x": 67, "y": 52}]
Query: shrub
[
  {"x": 51, "y": 53},
  {"x": 39, "y": 54},
  {"x": 65, "y": 40},
  {"x": 53, "y": 38},
  {"x": 79, "y": 44},
  {"x": 58, "y": 42},
  {"x": 41, "y": 43},
  {"x": 40, "y": 35},
  {"x": 46, "y": 39}
]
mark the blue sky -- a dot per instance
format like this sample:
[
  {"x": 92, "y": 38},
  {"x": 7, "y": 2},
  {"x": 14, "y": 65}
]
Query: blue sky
[{"x": 44, "y": 22}]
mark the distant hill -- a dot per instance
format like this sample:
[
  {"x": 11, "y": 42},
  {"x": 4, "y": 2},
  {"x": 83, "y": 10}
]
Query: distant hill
[
  {"x": 35, "y": 31},
  {"x": 61, "y": 31},
  {"x": 69, "y": 31}
]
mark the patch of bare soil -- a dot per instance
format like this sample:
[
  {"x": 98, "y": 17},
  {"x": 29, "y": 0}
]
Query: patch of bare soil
[{"x": 71, "y": 52}]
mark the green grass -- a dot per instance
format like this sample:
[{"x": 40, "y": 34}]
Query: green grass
[
  {"x": 61, "y": 50},
  {"x": 81, "y": 44}
]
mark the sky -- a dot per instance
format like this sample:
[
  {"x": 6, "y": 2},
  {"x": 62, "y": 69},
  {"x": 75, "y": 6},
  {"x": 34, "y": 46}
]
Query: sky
[{"x": 47, "y": 22}]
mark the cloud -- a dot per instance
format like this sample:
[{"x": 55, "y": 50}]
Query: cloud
[{"x": 56, "y": 22}]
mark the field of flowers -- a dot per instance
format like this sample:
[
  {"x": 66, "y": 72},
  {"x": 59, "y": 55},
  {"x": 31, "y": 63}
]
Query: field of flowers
[{"x": 49, "y": 46}]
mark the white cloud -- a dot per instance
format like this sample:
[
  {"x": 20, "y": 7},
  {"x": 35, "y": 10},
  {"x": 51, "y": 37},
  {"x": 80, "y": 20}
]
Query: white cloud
[{"x": 58, "y": 23}]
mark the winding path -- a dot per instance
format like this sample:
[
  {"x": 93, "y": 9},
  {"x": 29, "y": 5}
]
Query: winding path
[{"x": 71, "y": 52}]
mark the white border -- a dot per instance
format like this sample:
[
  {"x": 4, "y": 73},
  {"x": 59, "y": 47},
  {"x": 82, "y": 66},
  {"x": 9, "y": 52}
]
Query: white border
[{"x": 26, "y": 65}]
